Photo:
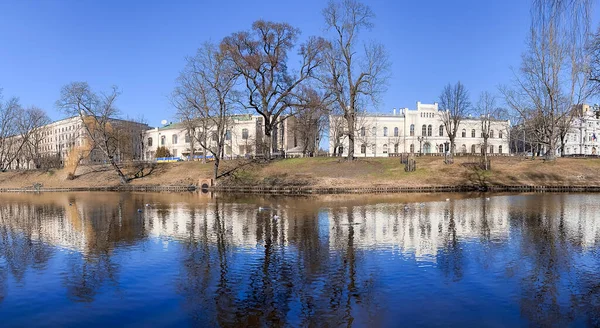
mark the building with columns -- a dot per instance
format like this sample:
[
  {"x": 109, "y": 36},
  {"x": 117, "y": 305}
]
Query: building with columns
[
  {"x": 244, "y": 136},
  {"x": 418, "y": 131}
]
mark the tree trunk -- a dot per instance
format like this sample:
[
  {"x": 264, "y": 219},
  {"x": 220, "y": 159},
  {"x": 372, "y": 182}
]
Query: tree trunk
[
  {"x": 122, "y": 177},
  {"x": 351, "y": 131},
  {"x": 551, "y": 151},
  {"x": 216, "y": 170}
]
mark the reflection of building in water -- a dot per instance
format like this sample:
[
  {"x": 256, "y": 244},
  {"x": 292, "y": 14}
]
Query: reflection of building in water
[
  {"x": 421, "y": 230},
  {"x": 79, "y": 226},
  {"x": 242, "y": 225}
]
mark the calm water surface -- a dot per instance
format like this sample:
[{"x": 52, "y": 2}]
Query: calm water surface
[{"x": 108, "y": 259}]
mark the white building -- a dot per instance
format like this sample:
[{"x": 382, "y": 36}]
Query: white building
[
  {"x": 583, "y": 136},
  {"x": 243, "y": 137},
  {"x": 416, "y": 131}
]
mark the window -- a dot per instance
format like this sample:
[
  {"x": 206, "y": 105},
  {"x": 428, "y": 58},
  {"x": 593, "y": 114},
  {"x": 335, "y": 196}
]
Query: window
[
  {"x": 500, "y": 134},
  {"x": 149, "y": 142},
  {"x": 412, "y": 148},
  {"x": 500, "y": 149},
  {"x": 227, "y": 134},
  {"x": 491, "y": 149},
  {"x": 214, "y": 136},
  {"x": 385, "y": 131},
  {"x": 245, "y": 134},
  {"x": 174, "y": 139},
  {"x": 363, "y": 149},
  {"x": 472, "y": 149},
  {"x": 429, "y": 130},
  {"x": 395, "y": 131},
  {"x": 395, "y": 148},
  {"x": 187, "y": 138},
  {"x": 374, "y": 131},
  {"x": 412, "y": 130},
  {"x": 463, "y": 149},
  {"x": 385, "y": 148},
  {"x": 424, "y": 130},
  {"x": 491, "y": 134},
  {"x": 162, "y": 140},
  {"x": 174, "y": 152},
  {"x": 362, "y": 131},
  {"x": 464, "y": 133},
  {"x": 473, "y": 133},
  {"x": 441, "y": 148},
  {"x": 441, "y": 130}
]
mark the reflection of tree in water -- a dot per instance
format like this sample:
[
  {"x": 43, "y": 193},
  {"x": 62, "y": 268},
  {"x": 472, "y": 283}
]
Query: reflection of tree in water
[
  {"x": 18, "y": 250},
  {"x": 545, "y": 260},
  {"x": 451, "y": 260},
  {"x": 105, "y": 226},
  {"x": 292, "y": 273}
]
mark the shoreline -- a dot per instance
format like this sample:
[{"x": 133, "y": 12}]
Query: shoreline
[{"x": 312, "y": 190}]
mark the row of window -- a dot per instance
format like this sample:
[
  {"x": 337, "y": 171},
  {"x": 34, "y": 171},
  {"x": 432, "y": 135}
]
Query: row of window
[
  {"x": 426, "y": 130},
  {"x": 174, "y": 137},
  {"x": 426, "y": 149}
]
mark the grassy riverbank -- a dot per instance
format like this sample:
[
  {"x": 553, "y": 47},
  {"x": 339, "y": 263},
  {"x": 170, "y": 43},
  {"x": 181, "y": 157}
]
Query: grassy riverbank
[{"x": 332, "y": 172}]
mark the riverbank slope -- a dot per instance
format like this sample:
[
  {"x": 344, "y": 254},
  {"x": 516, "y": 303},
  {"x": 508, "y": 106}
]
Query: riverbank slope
[{"x": 319, "y": 173}]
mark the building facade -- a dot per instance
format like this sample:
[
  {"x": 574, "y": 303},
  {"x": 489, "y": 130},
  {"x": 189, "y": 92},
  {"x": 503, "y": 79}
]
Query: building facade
[
  {"x": 583, "y": 135},
  {"x": 419, "y": 131},
  {"x": 244, "y": 136},
  {"x": 62, "y": 138}
]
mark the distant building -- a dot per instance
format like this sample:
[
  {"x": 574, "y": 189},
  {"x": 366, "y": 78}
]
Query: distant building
[
  {"x": 244, "y": 137},
  {"x": 584, "y": 133},
  {"x": 419, "y": 131},
  {"x": 60, "y": 138}
]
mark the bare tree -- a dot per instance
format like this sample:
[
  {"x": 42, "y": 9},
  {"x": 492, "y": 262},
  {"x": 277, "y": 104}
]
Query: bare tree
[
  {"x": 97, "y": 113},
  {"x": 454, "y": 106},
  {"x": 486, "y": 106},
  {"x": 352, "y": 79},
  {"x": 37, "y": 119},
  {"x": 261, "y": 59},
  {"x": 311, "y": 119},
  {"x": 593, "y": 50},
  {"x": 14, "y": 132},
  {"x": 554, "y": 72},
  {"x": 205, "y": 92}
]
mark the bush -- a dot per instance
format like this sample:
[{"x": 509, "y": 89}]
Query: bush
[{"x": 162, "y": 152}]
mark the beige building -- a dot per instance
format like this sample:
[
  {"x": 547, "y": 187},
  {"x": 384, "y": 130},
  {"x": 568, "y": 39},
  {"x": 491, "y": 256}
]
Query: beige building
[
  {"x": 244, "y": 137},
  {"x": 419, "y": 131},
  {"x": 60, "y": 138}
]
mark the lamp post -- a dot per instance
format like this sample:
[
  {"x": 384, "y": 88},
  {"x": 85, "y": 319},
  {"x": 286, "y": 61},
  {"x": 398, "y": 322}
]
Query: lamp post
[{"x": 421, "y": 139}]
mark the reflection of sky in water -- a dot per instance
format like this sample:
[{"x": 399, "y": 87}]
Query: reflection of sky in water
[{"x": 508, "y": 261}]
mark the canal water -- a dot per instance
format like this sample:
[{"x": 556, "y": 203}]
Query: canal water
[{"x": 152, "y": 259}]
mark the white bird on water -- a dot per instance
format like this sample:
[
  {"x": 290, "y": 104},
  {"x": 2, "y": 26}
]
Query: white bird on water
[
  {"x": 487, "y": 198},
  {"x": 447, "y": 199},
  {"x": 276, "y": 217},
  {"x": 263, "y": 208}
]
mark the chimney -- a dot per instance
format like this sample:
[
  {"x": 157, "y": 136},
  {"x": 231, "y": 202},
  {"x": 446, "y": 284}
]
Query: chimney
[{"x": 394, "y": 111}]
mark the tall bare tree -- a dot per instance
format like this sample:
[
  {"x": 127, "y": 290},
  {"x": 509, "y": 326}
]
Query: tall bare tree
[
  {"x": 14, "y": 132},
  {"x": 554, "y": 73},
  {"x": 205, "y": 93},
  {"x": 261, "y": 59},
  {"x": 311, "y": 119},
  {"x": 593, "y": 50},
  {"x": 486, "y": 106},
  {"x": 353, "y": 79},
  {"x": 97, "y": 113},
  {"x": 454, "y": 105}
]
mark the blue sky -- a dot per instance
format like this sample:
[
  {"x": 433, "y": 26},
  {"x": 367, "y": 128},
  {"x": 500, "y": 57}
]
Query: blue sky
[{"x": 140, "y": 46}]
